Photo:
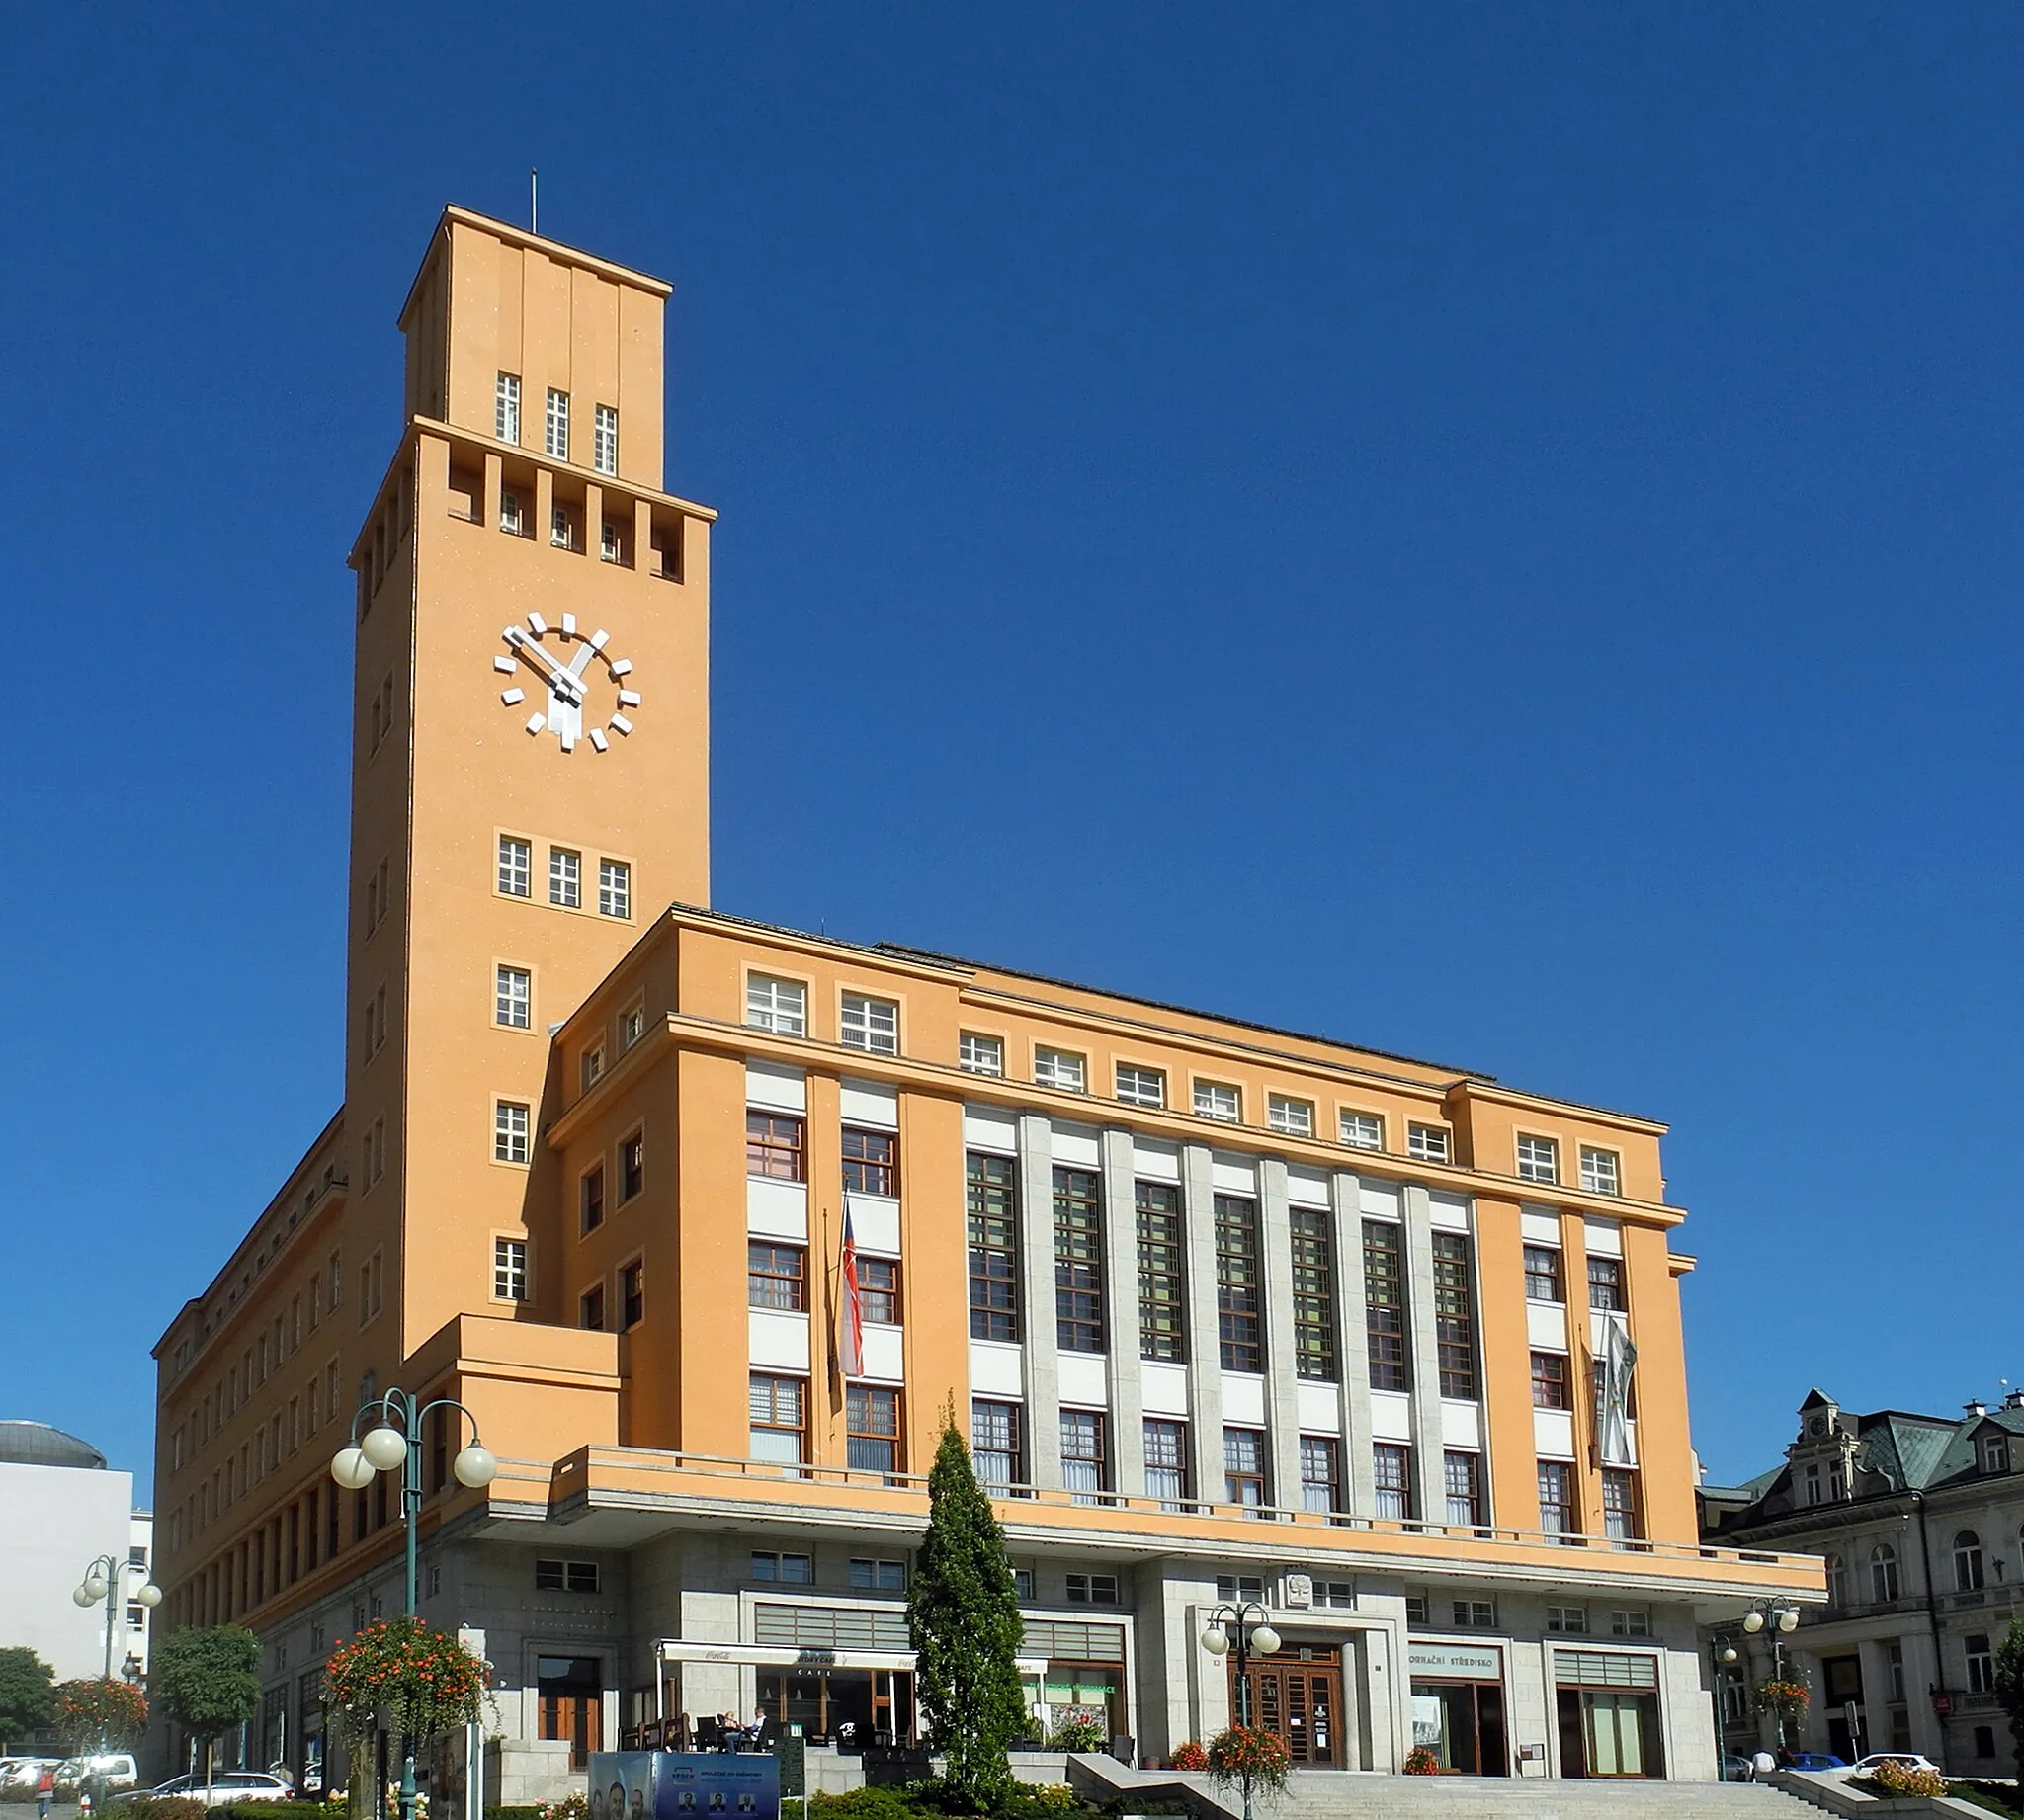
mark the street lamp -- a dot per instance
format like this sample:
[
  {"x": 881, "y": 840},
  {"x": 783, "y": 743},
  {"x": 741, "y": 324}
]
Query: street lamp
[
  {"x": 387, "y": 1447},
  {"x": 103, "y": 1579},
  {"x": 1775, "y": 1621},
  {"x": 1724, "y": 1652},
  {"x": 1252, "y": 1633}
]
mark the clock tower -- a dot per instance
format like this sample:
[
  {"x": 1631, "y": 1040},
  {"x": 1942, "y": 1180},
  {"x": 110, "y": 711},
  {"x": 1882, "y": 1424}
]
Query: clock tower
[{"x": 530, "y": 776}]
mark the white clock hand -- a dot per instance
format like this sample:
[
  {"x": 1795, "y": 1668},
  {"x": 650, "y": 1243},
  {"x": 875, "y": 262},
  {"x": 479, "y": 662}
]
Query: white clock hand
[{"x": 561, "y": 681}]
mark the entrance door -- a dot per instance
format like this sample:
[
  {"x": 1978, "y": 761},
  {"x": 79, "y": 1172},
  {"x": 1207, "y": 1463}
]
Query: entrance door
[
  {"x": 1604, "y": 1732},
  {"x": 1297, "y": 1702},
  {"x": 571, "y": 1693},
  {"x": 1463, "y": 1723},
  {"x": 1843, "y": 1678}
]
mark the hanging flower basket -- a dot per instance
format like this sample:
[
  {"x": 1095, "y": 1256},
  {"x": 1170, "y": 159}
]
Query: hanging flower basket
[
  {"x": 1189, "y": 1756},
  {"x": 1248, "y": 1756},
  {"x": 1784, "y": 1701},
  {"x": 424, "y": 1681}
]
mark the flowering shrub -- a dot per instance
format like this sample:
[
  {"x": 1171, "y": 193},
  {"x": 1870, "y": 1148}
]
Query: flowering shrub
[
  {"x": 1903, "y": 1778},
  {"x": 426, "y": 1682},
  {"x": 1422, "y": 1760},
  {"x": 1189, "y": 1756},
  {"x": 569, "y": 1807},
  {"x": 1249, "y": 1756},
  {"x": 1785, "y": 1700}
]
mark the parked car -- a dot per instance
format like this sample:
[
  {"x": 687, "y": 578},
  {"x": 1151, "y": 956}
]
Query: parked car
[
  {"x": 23, "y": 1771},
  {"x": 1815, "y": 1759},
  {"x": 117, "y": 1767},
  {"x": 1905, "y": 1760},
  {"x": 1735, "y": 1769},
  {"x": 228, "y": 1788}
]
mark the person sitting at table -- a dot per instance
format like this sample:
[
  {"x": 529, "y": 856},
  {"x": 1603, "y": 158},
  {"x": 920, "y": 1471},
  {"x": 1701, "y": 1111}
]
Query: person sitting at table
[{"x": 765, "y": 1732}]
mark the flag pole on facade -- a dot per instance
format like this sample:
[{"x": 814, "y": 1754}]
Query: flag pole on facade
[{"x": 850, "y": 1312}]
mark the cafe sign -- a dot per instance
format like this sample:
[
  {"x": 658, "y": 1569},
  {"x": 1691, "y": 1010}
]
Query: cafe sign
[{"x": 1454, "y": 1662}]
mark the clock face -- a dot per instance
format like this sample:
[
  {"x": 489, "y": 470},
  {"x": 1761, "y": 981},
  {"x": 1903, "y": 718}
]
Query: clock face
[{"x": 578, "y": 689}]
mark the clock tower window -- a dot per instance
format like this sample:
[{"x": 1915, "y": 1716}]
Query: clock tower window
[{"x": 565, "y": 878}]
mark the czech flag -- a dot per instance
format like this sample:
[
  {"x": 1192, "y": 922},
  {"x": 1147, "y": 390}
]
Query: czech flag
[{"x": 850, "y": 1325}]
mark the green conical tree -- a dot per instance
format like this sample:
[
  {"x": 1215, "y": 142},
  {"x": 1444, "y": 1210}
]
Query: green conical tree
[{"x": 962, "y": 1613}]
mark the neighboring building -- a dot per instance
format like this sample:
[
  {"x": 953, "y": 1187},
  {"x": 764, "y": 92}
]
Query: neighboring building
[
  {"x": 62, "y": 1507},
  {"x": 1919, "y": 1524},
  {"x": 1228, "y": 1311}
]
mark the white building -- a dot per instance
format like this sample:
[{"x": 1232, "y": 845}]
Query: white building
[{"x": 62, "y": 1507}]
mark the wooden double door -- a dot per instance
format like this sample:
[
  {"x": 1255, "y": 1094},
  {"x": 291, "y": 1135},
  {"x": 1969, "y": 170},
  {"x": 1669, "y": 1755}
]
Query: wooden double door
[{"x": 1300, "y": 1702}]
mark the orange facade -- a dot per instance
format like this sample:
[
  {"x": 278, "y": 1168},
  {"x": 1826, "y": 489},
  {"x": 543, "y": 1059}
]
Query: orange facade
[{"x": 549, "y": 1187}]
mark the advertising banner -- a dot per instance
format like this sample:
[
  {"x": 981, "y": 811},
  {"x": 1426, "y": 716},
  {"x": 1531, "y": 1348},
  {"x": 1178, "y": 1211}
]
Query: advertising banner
[{"x": 683, "y": 1786}]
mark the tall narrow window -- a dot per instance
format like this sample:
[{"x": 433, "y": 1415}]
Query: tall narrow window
[
  {"x": 1543, "y": 1275},
  {"x": 509, "y": 1132},
  {"x": 556, "y": 443},
  {"x": 776, "y": 1005},
  {"x": 1243, "y": 1467},
  {"x": 604, "y": 440},
  {"x": 1606, "y": 1284},
  {"x": 1238, "y": 1301},
  {"x": 515, "y": 859},
  {"x": 1620, "y": 1518},
  {"x": 1079, "y": 1261},
  {"x": 992, "y": 1196},
  {"x": 871, "y": 1162},
  {"x": 995, "y": 1449},
  {"x": 1391, "y": 1470},
  {"x": 1555, "y": 1497},
  {"x": 1085, "y": 1466},
  {"x": 614, "y": 888},
  {"x": 509, "y": 1269},
  {"x": 778, "y": 1418},
  {"x": 1162, "y": 1309},
  {"x": 1321, "y": 1473},
  {"x": 506, "y": 409},
  {"x": 869, "y": 1024},
  {"x": 773, "y": 1148},
  {"x": 1313, "y": 1294},
  {"x": 1384, "y": 1305},
  {"x": 513, "y": 998},
  {"x": 872, "y": 1415},
  {"x": 1455, "y": 1315},
  {"x": 1461, "y": 1475},
  {"x": 565, "y": 878},
  {"x": 1166, "y": 1463},
  {"x": 632, "y": 1166},
  {"x": 593, "y": 1198},
  {"x": 632, "y": 1293}
]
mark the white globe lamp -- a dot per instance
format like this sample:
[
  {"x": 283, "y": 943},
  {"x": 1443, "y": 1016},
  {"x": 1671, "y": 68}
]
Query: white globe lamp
[
  {"x": 474, "y": 1466},
  {"x": 350, "y": 1470},
  {"x": 386, "y": 1447}
]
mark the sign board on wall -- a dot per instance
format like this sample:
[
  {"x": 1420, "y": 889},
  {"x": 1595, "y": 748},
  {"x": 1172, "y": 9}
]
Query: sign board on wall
[{"x": 1454, "y": 1662}]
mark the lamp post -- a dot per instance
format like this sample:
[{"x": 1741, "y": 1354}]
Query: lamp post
[
  {"x": 394, "y": 1444},
  {"x": 1724, "y": 1652},
  {"x": 1251, "y": 1633},
  {"x": 1773, "y": 1621},
  {"x": 103, "y": 1579}
]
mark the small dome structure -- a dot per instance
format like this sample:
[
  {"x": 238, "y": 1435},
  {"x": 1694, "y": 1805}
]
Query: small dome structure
[{"x": 36, "y": 1444}]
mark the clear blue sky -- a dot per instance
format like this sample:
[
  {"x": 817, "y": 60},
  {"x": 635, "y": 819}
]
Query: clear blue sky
[{"x": 1488, "y": 531}]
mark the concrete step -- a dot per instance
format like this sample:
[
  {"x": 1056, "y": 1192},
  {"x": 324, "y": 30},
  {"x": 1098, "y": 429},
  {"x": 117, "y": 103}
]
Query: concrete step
[{"x": 1322, "y": 1794}]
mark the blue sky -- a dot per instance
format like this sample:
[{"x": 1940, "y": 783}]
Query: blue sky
[{"x": 1489, "y": 533}]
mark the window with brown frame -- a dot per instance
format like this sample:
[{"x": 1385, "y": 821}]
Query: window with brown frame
[
  {"x": 1550, "y": 1388},
  {"x": 633, "y": 1292},
  {"x": 872, "y": 1416},
  {"x": 878, "y": 1289},
  {"x": 593, "y": 1197},
  {"x": 777, "y": 1276},
  {"x": 993, "y": 1194},
  {"x": 871, "y": 1162},
  {"x": 1239, "y": 1302},
  {"x": 1384, "y": 1305},
  {"x": 1079, "y": 1261},
  {"x": 1454, "y": 1316},
  {"x": 631, "y": 1164},
  {"x": 1606, "y": 1284},
  {"x": 775, "y": 1147},
  {"x": 1163, "y": 1270}
]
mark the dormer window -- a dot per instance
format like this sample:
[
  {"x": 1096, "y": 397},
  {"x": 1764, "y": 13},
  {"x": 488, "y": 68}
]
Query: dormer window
[{"x": 1995, "y": 1453}]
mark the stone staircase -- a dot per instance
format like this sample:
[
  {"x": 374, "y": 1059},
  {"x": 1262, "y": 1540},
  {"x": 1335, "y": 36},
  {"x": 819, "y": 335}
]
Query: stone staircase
[{"x": 1319, "y": 1794}]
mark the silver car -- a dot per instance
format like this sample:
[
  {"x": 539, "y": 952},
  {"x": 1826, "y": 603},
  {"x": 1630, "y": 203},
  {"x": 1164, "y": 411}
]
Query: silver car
[{"x": 228, "y": 1788}]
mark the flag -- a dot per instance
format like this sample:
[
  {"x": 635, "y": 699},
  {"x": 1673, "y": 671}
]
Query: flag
[
  {"x": 850, "y": 1323},
  {"x": 1613, "y": 1416}
]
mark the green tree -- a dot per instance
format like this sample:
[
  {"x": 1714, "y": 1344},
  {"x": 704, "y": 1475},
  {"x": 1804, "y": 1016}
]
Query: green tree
[
  {"x": 207, "y": 1680},
  {"x": 2010, "y": 1687},
  {"x": 28, "y": 1695},
  {"x": 962, "y": 1615}
]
